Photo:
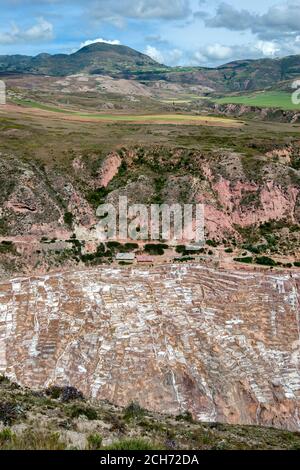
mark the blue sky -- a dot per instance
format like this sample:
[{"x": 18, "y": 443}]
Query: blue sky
[{"x": 176, "y": 32}]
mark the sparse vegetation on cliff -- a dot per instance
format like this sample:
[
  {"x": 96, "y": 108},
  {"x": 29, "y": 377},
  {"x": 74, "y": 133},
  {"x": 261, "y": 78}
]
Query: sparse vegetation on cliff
[{"x": 60, "y": 418}]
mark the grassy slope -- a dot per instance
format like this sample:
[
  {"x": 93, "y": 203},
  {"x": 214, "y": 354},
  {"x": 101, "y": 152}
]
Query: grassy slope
[
  {"x": 49, "y": 422},
  {"x": 55, "y": 142},
  {"x": 267, "y": 99},
  {"x": 126, "y": 117}
]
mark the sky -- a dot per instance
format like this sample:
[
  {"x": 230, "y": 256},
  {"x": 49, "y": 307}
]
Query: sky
[{"x": 174, "y": 32}]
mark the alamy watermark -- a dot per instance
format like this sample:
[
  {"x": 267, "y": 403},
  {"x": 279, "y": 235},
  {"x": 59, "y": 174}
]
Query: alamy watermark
[
  {"x": 175, "y": 222},
  {"x": 2, "y": 93},
  {"x": 296, "y": 94}
]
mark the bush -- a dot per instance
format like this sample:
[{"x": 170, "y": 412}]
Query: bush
[
  {"x": 131, "y": 246},
  {"x": 229, "y": 250},
  {"x": 78, "y": 410},
  {"x": 30, "y": 440},
  {"x": 7, "y": 247},
  {"x": 265, "y": 261},
  {"x": 133, "y": 411},
  {"x": 186, "y": 416},
  {"x": 247, "y": 260},
  {"x": 113, "y": 244},
  {"x": 157, "y": 249},
  {"x": 66, "y": 394},
  {"x": 9, "y": 412},
  {"x": 97, "y": 197},
  {"x": 71, "y": 393},
  {"x": 68, "y": 218},
  {"x": 212, "y": 243},
  {"x": 94, "y": 442},
  {"x": 297, "y": 264},
  {"x": 5, "y": 436},
  {"x": 255, "y": 249},
  {"x": 53, "y": 392},
  {"x": 184, "y": 259}
]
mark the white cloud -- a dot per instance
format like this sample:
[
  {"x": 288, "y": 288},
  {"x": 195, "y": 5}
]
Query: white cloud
[
  {"x": 217, "y": 54},
  {"x": 154, "y": 53},
  {"x": 113, "y": 42},
  {"x": 173, "y": 57},
  {"x": 281, "y": 20},
  {"x": 218, "y": 51},
  {"x": 41, "y": 31},
  {"x": 141, "y": 9},
  {"x": 267, "y": 48},
  {"x": 167, "y": 57}
]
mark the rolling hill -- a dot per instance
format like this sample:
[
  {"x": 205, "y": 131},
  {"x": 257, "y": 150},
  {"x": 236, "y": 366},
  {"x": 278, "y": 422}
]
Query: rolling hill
[
  {"x": 124, "y": 62},
  {"x": 99, "y": 58}
]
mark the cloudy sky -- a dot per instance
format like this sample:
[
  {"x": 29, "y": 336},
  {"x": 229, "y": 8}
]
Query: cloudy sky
[{"x": 175, "y": 32}]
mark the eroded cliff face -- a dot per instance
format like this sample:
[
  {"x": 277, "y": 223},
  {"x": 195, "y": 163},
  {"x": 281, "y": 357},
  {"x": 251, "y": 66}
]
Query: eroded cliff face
[
  {"x": 260, "y": 113},
  {"x": 41, "y": 208},
  {"x": 223, "y": 345}
]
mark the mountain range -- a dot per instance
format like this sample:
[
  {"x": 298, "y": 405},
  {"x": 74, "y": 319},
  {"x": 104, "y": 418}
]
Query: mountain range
[{"x": 124, "y": 62}]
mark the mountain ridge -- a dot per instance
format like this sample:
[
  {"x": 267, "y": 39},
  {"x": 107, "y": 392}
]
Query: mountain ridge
[{"x": 124, "y": 62}]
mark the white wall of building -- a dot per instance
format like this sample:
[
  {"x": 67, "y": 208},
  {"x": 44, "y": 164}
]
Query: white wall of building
[{"x": 2, "y": 93}]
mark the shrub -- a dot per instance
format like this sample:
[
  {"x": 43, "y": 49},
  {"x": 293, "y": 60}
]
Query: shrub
[
  {"x": 94, "y": 442},
  {"x": 53, "y": 392},
  {"x": 5, "y": 436},
  {"x": 133, "y": 411},
  {"x": 71, "y": 393},
  {"x": 66, "y": 394},
  {"x": 131, "y": 246},
  {"x": 155, "y": 249},
  {"x": 265, "y": 261},
  {"x": 212, "y": 243},
  {"x": 183, "y": 259},
  {"x": 7, "y": 247},
  {"x": 9, "y": 412},
  {"x": 113, "y": 245},
  {"x": 248, "y": 260},
  {"x": 68, "y": 218},
  {"x": 97, "y": 197},
  {"x": 4, "y": 380},
  {"x": 100, "y": 249},
  {"x": 186, "y": 416},
  {"x": 87, "y": 411},
  {"x": 30, "y": 440},
  {"x": 297, "y": 264},
  {"x": 229, "y": 250},
  {"x": 255, "y": 249}
]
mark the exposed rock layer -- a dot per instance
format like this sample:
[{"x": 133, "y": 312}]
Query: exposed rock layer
[{"x": 224, "y": 345}]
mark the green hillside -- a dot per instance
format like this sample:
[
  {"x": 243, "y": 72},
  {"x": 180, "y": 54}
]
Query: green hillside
[
  {"x": 264, "y": 99},
  {"x": 98, "y": 58}
]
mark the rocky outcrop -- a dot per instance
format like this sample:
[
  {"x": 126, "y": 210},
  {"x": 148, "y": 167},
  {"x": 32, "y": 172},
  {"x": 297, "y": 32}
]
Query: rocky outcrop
[
  {"x": 223, "y": 345},
  {"x": 267, "y": 114},
  {"x": 109, "y": 169}
]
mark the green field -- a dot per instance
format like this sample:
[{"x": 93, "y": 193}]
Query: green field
[
  {"x": 263, "y": 99},
  {"x": 130, "y": 117}
]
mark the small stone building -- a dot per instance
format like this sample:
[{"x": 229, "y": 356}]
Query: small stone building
[
  {"x": 2, "y": 93},
  {"x": 125, "y": 257},
  {"x": 145, "y": 259}
]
